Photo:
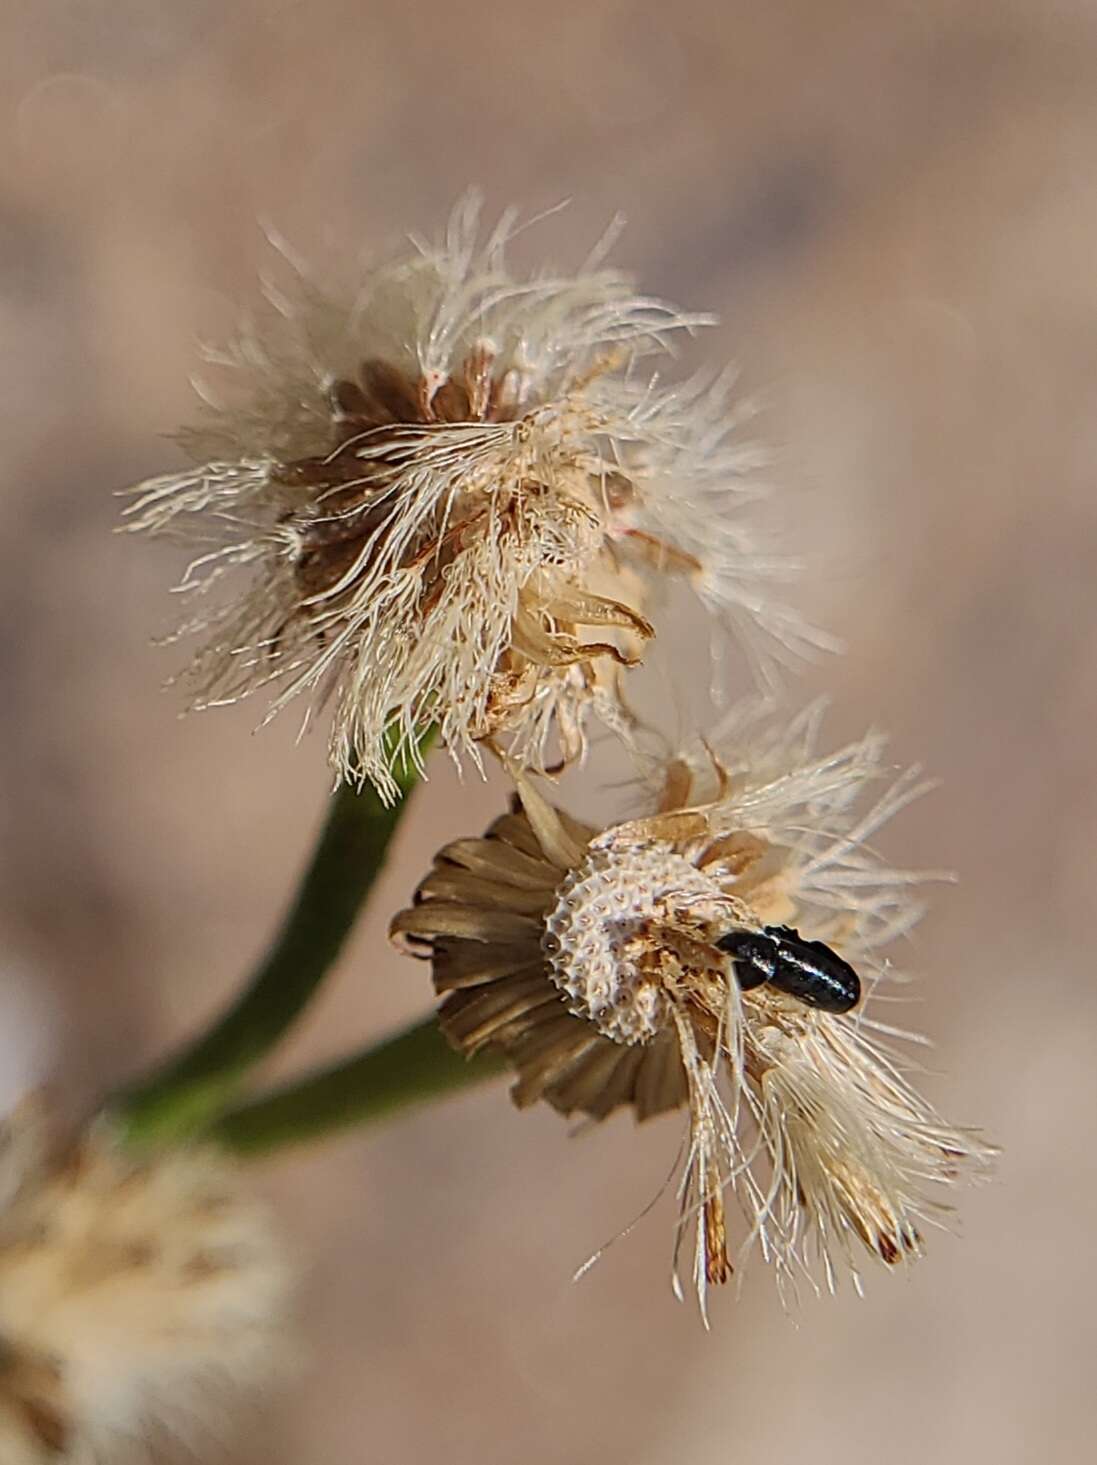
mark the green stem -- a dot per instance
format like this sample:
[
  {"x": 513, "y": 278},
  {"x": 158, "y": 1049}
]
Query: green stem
[
  {"x": 183, "y": 1096},
  {"x": 414, "y": 1066}
]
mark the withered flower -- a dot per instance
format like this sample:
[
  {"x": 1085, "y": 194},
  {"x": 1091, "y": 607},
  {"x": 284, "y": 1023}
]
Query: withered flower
[
  {"x": 141, "y": 1300},
  {"x": 590, "y": 958},
  {"x": 445, "y": 496}
]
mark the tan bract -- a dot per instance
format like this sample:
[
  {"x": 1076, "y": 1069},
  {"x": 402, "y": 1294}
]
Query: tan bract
[
  {"x": 589, "y": 958},
  {"x": 446, "y": 495},
  {"x": 141, "y": 1301}
]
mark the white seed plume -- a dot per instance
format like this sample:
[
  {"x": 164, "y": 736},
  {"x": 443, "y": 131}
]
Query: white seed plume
[
  {"x": 590, "y": 959},
  {"x": 142, "y": 1301},
  {"x": 445, "y": 494}
]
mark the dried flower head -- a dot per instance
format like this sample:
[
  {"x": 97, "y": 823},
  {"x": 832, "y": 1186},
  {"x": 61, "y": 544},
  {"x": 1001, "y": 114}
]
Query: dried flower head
[
  {"x": 140, "y": 1299},
  {"x": 590, "y": 958},
  {"x": 450, "y": 493}
]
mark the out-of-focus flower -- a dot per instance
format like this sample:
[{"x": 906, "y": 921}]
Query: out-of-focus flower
[
  {"x": 141, "y": 1299},
  {"x": 446, "y": 494},
  {"x": 589, "y": 957}
]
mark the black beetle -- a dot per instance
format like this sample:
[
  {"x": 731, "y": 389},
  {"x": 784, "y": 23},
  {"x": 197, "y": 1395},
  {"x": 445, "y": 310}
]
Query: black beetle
[{"x": 808, "y": 970}]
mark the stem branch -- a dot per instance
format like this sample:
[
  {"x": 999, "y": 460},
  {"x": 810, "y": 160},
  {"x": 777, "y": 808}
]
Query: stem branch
[
  {"x": 415, "y": 1065},
  {"x": 182, "y": 1097}
]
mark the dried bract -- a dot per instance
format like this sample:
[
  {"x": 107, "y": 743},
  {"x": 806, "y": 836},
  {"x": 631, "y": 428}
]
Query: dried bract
[
  {"x": 141, "y": 1300},
  {"x": 590, "y": 958},
  {"x": 446, "y": 495}
]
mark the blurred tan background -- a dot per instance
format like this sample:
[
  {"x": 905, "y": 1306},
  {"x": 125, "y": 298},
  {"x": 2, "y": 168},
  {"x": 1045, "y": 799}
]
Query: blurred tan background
[{"x": 894, "y": 209}]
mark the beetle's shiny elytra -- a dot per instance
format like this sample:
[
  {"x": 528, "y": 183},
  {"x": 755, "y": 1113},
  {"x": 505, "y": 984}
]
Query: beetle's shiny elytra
[{"x": 807, "y": 970}]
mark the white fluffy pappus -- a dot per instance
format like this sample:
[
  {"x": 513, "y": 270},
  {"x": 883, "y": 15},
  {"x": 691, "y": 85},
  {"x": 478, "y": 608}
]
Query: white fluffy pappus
[
  {"x": 143, "y": 1301},
  {"x": 445, "y": 494},
  {"x": 591, "y": 959}
]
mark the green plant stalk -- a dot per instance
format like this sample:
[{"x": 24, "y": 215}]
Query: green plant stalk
[
  {"x": 410, "y": 1068},
  {"x": 182, "y": 1097}
]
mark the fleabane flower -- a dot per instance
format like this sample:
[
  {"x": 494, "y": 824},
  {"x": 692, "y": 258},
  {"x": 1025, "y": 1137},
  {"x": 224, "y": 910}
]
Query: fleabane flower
[
  {"x": 592, "y": 958},
  {"x": 142, "y": 1300},
  {"x": 446, "y": 496}
]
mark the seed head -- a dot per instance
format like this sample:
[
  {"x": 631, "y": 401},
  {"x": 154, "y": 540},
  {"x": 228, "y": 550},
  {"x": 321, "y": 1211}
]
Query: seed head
[
  {"x": 141, "y": 1300},
  {"x": 590, "y": 958},
  {"x": 446, "y": 496}
]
